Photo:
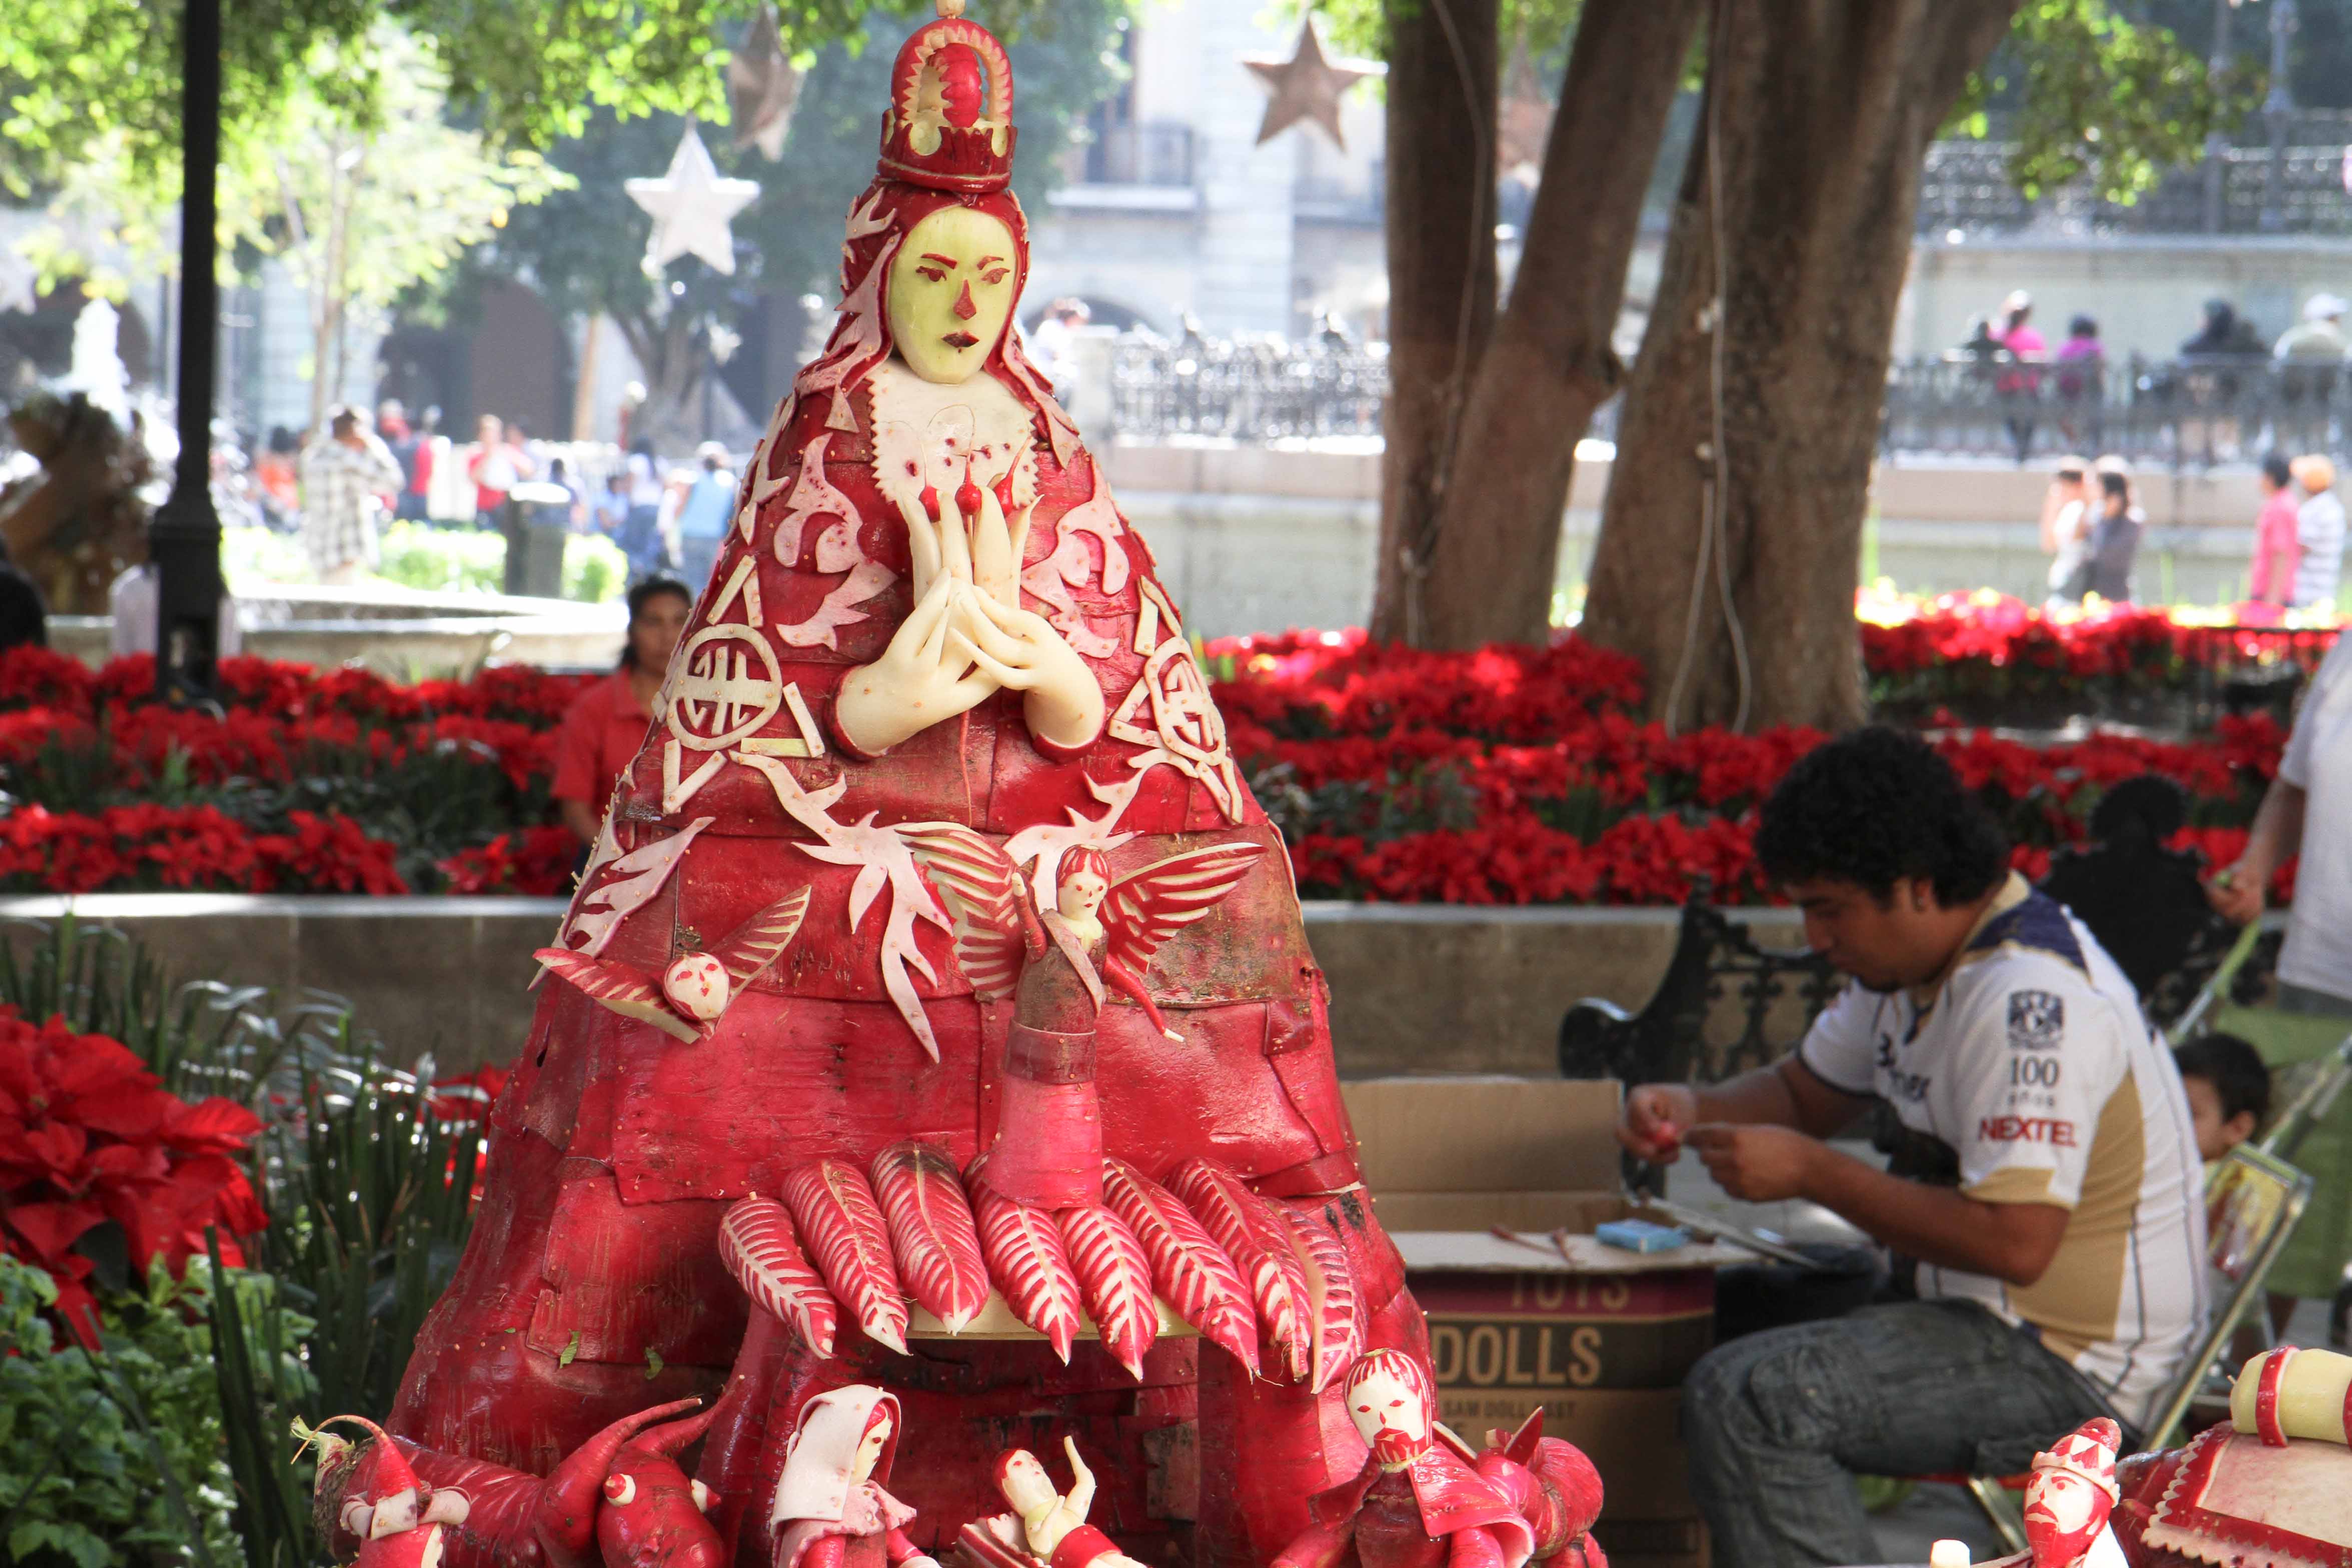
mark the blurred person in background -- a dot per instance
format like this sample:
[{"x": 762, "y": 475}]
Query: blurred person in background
[
  {"x": 2318, "y": 338},
  {"x": 608, "y": 513},
  {"x": 708, "y": 508},
  {"x": 273, "y": 471},
  {"x": 2319, "y": 530},
  {"x": 2277, "y": 546},
  {"x": 347, "y": 475},
  {"x": 2117, "y": 526},
  {"x": 2066, "y": 523},
  {"x": 642, "y": 539},
  {"x": 24, "y": 615},
  {"x": 606, "y": 724}
]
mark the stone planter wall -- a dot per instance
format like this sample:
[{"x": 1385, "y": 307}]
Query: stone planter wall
[{"x": 1415, "y": 987}]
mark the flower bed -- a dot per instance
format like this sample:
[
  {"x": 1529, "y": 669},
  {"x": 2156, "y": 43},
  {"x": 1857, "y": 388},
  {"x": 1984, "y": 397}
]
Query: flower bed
[
  {"x": 1510, "y": 775},
  {"x": 1520, "y": 776},
  {"x": 306, "y": 782},
  {"x": 1997, "y": 659}
]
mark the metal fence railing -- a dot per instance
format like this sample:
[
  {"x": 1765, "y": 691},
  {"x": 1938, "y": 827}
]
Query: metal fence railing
[{"x": 2181, "y": 413}]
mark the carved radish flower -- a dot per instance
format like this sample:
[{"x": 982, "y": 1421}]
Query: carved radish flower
[
  {"x": 697, "y": 986},
  {"x": 932, "y": 1231},
  {"x": 1028, "y": 1262},
  {"x": 1259, "y": 1243},
  {"x": 1116, "y": 1279},
  {"x": 835, "y": 1211},
  {"x": 1187, "y": 1265},
  {"x": 1331, "y": 1295},
  {"x": 757, "y": 1244}
]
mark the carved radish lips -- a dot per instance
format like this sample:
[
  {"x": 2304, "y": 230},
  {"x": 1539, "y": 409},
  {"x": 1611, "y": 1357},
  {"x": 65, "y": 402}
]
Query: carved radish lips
[{"x": 697, "y": 986}]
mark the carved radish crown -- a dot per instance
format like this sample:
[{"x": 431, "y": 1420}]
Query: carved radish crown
[{"x": 950, "y": 123}]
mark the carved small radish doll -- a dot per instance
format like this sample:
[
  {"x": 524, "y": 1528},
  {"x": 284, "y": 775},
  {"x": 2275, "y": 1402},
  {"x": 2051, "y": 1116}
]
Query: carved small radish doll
[
  {"x": 1417, "y": 1503},
  {"x": 1048, "y": 1527},
  {"x": 829, "y": 1510},
  {"x": 693, "y": 992}
]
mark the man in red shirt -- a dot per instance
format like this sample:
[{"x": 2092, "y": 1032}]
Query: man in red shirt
[{"x": 607, "y": 722}]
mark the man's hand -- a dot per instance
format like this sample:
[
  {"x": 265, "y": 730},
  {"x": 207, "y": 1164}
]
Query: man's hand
[
  {"x": 1758, "y": 1164},
  {"x": 2238, "y": 892},
  {"x": 1656, "y": 1116}
]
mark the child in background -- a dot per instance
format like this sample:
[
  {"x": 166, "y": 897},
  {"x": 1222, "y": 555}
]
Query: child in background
[{"x": 2229, "y": 1091}]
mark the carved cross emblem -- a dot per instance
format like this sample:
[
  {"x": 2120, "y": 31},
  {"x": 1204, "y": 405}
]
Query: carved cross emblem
[{"x": 726, "y": 686}]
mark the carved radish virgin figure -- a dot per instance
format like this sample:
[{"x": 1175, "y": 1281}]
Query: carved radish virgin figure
[{"x": 936, "y": 985}]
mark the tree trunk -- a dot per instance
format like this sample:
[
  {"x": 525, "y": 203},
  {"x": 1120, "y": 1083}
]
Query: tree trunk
[
  {"x": 1817, "y": 118},
  {"x": 1550, "y": 364},
  {"x": 673, "y": 368},
  {"x": 1441, "y": 250}
]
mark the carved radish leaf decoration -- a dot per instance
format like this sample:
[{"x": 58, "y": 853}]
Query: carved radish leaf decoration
[
  {"x": 835, "y": 1214},
  {"x": 1331, "y": 1296},
  {"x": 1027, "y": 1260},
  {"x": 932, "y": 1232},
  {"x": 1187, "y": 1265},
  {"x": 757, "y": 1244},
  {"x": 1115, "y": 1276},
  {"x": 1259, "y": 1244}
]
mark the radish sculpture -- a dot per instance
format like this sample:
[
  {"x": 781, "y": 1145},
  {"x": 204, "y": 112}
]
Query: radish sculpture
[{"x": 937, "y": 723}]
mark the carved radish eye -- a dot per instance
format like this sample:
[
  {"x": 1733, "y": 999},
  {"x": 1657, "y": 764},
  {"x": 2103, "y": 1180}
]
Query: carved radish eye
[
  {"x": 622, "y": 1490},
  {"x": 1396, "y": 1404},
  {"x": 996, "y": 275},
  {"x": 937, "y": 274},
  {"x": 1365, "y": 1408}
]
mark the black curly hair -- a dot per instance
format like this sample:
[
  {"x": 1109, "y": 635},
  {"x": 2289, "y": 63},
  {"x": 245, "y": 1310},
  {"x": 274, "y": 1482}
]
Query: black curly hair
[{"x": 1874, "y": 807}]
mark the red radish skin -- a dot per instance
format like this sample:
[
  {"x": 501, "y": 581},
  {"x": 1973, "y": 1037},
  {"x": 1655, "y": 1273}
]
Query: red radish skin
[
  {"x": 1114, "y": 1277},
  {"x": 1331, "y": 1297},
  {"x": 1245, "y": 1225},
  {"x": 932, "y": 1232},
  {"x": 1029, "y": 1264},
  {"x": 757, "y": 1243},
  {"x": 835, "y": 1211},
  {"x": 1187, "y": 1265},
  {"x": 651, "y": 1517}
]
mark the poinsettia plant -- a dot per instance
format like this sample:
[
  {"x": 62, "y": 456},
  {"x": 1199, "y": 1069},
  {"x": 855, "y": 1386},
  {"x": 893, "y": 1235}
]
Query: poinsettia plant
[{"x": 89, "y": 1137}]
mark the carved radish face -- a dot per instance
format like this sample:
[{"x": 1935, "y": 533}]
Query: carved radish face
[
  {"x": 697, "y": 986},
  {"x": 1025, "y": 1483},
  {"x": 951, "y": 290},
  {"x": 869, "y": 1450},
  {"x": 1387, "y": 1400},
  {"x": 1081, "y": 894}
]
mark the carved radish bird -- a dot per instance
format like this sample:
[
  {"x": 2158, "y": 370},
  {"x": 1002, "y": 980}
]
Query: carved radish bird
[{"x": 694, "y": 991}]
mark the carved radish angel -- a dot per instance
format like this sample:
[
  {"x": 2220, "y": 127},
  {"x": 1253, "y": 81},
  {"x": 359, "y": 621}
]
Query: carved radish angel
[
  {"x": 693, "y": 992},
  {"x": 1048, "y": 1152},
  {"x": 829, "y": 1508}
]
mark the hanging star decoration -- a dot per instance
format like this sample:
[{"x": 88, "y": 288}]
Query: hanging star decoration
[
  {"x": 762, "y": 86},
  {"x": 1306, "y": 85},
  {"x": 691, "y": 206}
]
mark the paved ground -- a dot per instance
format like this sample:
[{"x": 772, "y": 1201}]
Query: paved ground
[{"x": 1930, "y": 1513}]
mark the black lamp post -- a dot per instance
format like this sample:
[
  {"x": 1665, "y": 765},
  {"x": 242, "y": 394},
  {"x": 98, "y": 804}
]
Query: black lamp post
[{"x": 184, "y": 537}]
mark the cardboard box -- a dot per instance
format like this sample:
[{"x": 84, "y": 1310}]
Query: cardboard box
[{"x": 1599, "y": 1337}]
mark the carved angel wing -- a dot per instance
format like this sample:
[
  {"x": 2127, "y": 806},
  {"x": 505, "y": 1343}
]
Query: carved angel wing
[
  {"x": 748, "y": 950},
  {"x": 1146, "y": 907},
  {"x": 985, "y": 899},
  {"x": 624, "y": 991}
]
